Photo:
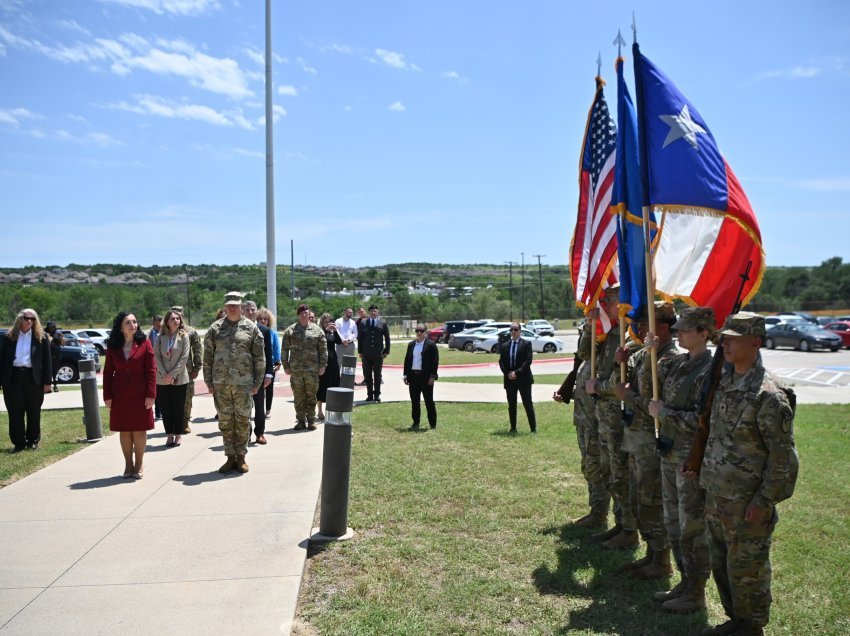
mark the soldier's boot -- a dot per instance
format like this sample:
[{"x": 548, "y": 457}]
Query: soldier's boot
[
  {"x": 658, "y": 568},
  {"x": 675, "y": 592},
  {"x": 610, "y": 533},
  {"x": 748, "y": 629},
  {"x": 300, "y": 425},
  {"x": 311, "y": 424},
  {"x": 229, "y": 465},
  {"x": 591, "y": 521},
  {"x": 646, "y": 559},
  {"x": 623, "y": 540},
  {"x": 241, "y": 464},
  {"x": 692, "y": 600},
  {"x": 187, "y": 429},
  {"x": 725, "y": 629}
]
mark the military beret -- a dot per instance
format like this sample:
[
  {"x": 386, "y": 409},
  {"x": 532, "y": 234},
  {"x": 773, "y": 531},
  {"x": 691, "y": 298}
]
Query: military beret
[
  {"x": 744, "y": 323},
  {"x": 696, "y": 319},
  {"x": 233, "y": 298}
]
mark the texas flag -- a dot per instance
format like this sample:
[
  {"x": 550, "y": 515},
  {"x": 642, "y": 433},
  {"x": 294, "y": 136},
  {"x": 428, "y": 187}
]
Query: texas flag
[{"x": 707, "y": 231}]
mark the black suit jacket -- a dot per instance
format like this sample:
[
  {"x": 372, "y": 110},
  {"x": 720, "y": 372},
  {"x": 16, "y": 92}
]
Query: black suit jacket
[
  {"x": 373, "y": 341},
  {"x": 430, "y": 358},
  {"x": 42, "y": 369},
  {"x": 522, "y": 362}
]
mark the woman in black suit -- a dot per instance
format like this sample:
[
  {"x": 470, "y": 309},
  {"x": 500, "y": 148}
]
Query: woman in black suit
[
  {"x": 25, "y": 374},
  {"x": 330, "y": 378}
]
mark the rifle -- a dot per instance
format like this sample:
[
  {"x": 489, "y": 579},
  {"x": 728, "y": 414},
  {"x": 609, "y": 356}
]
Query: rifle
[
  {"x": 569, "y": 384},
  {"x": 694, "y": 461}
]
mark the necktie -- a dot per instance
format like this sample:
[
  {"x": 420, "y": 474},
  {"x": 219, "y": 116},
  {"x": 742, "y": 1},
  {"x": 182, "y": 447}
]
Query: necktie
[{"x": 513, "y": 353}]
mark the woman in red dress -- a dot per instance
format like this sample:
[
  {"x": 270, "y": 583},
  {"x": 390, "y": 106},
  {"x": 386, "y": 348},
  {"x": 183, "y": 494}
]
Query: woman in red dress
[{"x": 129, "y": 389}]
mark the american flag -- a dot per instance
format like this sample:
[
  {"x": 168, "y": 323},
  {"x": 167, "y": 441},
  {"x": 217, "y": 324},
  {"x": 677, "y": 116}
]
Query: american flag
[{"x": 593, "y": 250}]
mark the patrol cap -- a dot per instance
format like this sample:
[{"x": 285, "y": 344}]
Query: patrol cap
[
  {"x": 744, "y": 323},
  {"x": 177, "y": 308},
  {"x": 612, "y": 290},
  {"x": 233, "y": 298},
  {"x": 664, "y": 312},
  {"x": 696, "y": 319}
]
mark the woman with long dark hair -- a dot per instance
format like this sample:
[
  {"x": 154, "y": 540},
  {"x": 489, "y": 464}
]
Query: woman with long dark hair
[
  {"x": 129, "y": 389},
  {"x": 171, "y": 353},
  {"x": 330, "y": 378}
]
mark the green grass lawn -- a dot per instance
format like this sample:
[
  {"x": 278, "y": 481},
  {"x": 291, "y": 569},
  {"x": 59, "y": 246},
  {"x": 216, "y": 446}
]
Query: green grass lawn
[
  {"x": 543, "y": 378},
  {"x": 465, "y": 530},
  {"x": 60, "y": 430}
]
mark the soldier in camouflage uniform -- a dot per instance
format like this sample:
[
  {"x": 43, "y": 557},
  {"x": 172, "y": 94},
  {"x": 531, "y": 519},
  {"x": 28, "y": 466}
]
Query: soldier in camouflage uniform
[
  {"x": 623, "y": 534},
  {"x": 304, "y": 353},
  {"x": 639, "y": 440},
  {"x": 234, "y": 366},
  {"x": 593, "y": 466},
  {"x": 193, "y": 366},
  {"x": 684, "y": 499},
  {"x": 750, "y": 465}
]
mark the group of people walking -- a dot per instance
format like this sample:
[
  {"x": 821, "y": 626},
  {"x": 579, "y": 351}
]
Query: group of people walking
[{"x": 719, "y": 519}]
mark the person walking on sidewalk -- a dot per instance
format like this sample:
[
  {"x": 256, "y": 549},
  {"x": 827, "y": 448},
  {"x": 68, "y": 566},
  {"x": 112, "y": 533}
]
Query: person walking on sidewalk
[
  {"x": 234, "y": 370},
  {"x": 420, "y": 372},
  {"x": 304, "y": 353}
]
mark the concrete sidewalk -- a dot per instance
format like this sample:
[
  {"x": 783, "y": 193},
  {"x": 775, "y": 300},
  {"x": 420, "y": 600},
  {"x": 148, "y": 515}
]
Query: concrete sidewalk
[{"x": 184, "y": 550}]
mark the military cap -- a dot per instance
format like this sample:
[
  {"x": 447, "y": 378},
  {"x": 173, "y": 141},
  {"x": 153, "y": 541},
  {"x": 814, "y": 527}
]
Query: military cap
[
  {"x": 744, "y": 323},
  {"x": 612, "y": 290},
  {"x": 233, "y": 298},
  {"x": 664, "y": 312},
  {"x": 177, "y": 308},
  {"x": 696, "y": 319}
]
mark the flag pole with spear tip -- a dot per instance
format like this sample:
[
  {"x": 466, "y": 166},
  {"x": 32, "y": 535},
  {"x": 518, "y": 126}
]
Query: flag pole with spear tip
[{"x": 620, "y": 42}]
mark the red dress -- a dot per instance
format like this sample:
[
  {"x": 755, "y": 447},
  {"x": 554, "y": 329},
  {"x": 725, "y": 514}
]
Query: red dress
[{"x": 127, "y": 383}]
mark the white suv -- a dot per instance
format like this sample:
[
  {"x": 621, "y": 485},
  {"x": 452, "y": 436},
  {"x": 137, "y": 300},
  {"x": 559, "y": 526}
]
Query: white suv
[
  {"x": 540, "y": 327},
  {"x": 96, "y": 336}
]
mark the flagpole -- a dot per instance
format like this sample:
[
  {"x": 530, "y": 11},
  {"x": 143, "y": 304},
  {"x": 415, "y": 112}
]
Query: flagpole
[{"x": 646, "y": 208}]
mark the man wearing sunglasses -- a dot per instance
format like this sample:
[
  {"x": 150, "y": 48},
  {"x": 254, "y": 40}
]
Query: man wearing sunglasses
[
  {"x": 420, "y": 373},
  {"x": 515, "y": 363}
]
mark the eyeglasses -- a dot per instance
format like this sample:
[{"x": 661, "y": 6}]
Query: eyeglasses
[
  {"x": 30, "y": 318},
  {"x": 420, "y": 331}
]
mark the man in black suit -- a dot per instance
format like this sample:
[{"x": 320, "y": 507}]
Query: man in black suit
[
  {"x": 373, "y": 345},
  {"x": 249, "y": 311},
  {"x": 420, "y": 373},
  {"x": 515, "y": 363}
]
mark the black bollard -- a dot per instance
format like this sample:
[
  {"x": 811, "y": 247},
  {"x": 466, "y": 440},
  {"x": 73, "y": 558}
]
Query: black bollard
[
  {"x": 91, "y": 403},
  {"x": 336, "y": 466},
  {"x": 346, "y": 374}
]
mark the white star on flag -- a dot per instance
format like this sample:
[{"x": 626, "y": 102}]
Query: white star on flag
[{"x": 682, "y": 125}]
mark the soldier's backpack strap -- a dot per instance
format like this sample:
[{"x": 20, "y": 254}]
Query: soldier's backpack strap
[{"x": 681, "y": 398}]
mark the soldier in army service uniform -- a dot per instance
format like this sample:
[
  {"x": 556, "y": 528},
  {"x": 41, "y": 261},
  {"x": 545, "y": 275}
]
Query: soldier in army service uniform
[
  {"x": 234, "y": 368},
  {"x": 304, "y": 354},
  {"x": 750, "y": 465}
]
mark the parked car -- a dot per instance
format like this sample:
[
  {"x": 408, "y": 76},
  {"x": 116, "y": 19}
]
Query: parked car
[
  {"x": 770, "y": 321},
  {"x": 69, "y": 358},
  {"x": 436, "y": 334},
  {"x": 842, "y": 330},
  {"x": 806, "y": 316},
  {"x": 540, "y": 344},
  {"x": 454, "y": 326},
  {"x": 466, "y": 339},
  {"x": 804, "y": 336},
  {"x": 96, "y": 336},
  {"x": 540, "y": 327}
]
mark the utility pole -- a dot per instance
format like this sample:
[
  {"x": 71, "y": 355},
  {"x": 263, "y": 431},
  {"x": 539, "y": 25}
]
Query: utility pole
[
  {"x": 188, "y": 301},
  {"x": 540, "y": 273},
  {"x": 522, "y": 286},
  {"x": 271, "y": 265},
  {"x": 510, "y": 265}
]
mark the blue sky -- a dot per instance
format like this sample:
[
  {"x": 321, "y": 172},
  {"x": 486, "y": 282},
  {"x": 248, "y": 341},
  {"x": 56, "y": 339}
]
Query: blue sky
[{"x": 132, "y": 131}]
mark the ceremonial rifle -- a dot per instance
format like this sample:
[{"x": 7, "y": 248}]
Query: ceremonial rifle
[
  {"x": 569, "y": 384},
  {"x": 694, "y": 461}
]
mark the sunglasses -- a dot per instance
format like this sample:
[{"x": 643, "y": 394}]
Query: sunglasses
[
  {"x": 30, "y": 318},
  {"x": 514, "y": 328},
  {"x": 420, "y": 331}
]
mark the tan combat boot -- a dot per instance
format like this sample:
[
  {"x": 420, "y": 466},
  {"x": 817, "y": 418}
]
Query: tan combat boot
[
  {"x": 241, "y": 466},
  {"x": 676, "y": 592},
  {"x": 724, "y": 629},
  {"x": 646, "y": 559},
  {"x": 624, "y": 540},
  {"x": 658, "y": 568},
  {"x": 591, "y": 521},
  {"x": 692, "y": 600},
  {"x": 229, "y": 465},
  {"x": 610, "y": 533}
]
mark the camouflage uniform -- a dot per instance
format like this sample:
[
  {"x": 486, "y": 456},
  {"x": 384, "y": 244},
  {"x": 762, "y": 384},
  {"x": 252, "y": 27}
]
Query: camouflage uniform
[
  {"x": 610, "y": 418},
  {"x": 234, "y": 366},
  {"x": 750, "y": 458},
  {"x": 194, "y": 365},
  {"x": 304, "y": 350},
  {"x": 593, "y": 466},
  {"x": 639, "y": 442}
]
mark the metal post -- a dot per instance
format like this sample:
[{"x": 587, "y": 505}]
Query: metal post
[
  {"x": 336, "y": 467},
  {"x": 346, "y": 373},
  {"x": 91, "y": 404}
]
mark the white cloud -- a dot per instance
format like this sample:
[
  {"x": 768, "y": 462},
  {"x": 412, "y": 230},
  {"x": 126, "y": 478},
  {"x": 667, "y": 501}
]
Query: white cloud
[
  {"x": 306, "y": 67},
  {"x": 827, "y": 184},
  {"x": 277, "y": 113},
  {"x": 291, "y": 91},
  {"x": 348, "y": 108},
  {"x": 249, "y": 153},
  {"x": 13, "y": 117},
  {"x": 796, "y": 72},
  {"x": 391, "y": 58},
  {"x": 175, "y": 7},
  {"x": 73, "y": 25},
  {"x": 160, "y": 107},
  {"x": 77, "y": 118},
  {"x": 397, "y": 107},
  {"x": 457, "y": 77},
  {"x": 103, "y": 140},
  {"x": 255, "y": 56}
]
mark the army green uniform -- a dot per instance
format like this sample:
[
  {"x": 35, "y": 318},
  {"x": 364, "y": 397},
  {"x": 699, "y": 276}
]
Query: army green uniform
[
  {"x": 193, "y": 366},
  {"x": 639, "y": 443},
  {"x": 304, "y": 350},
  {"x": 610, "y": 418},
  {"x": 234, "y": 366},
  {"x": 684, "y": 499},
  {"x": 594, "y": 466},
  {"x": 750, "y": 458}
]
